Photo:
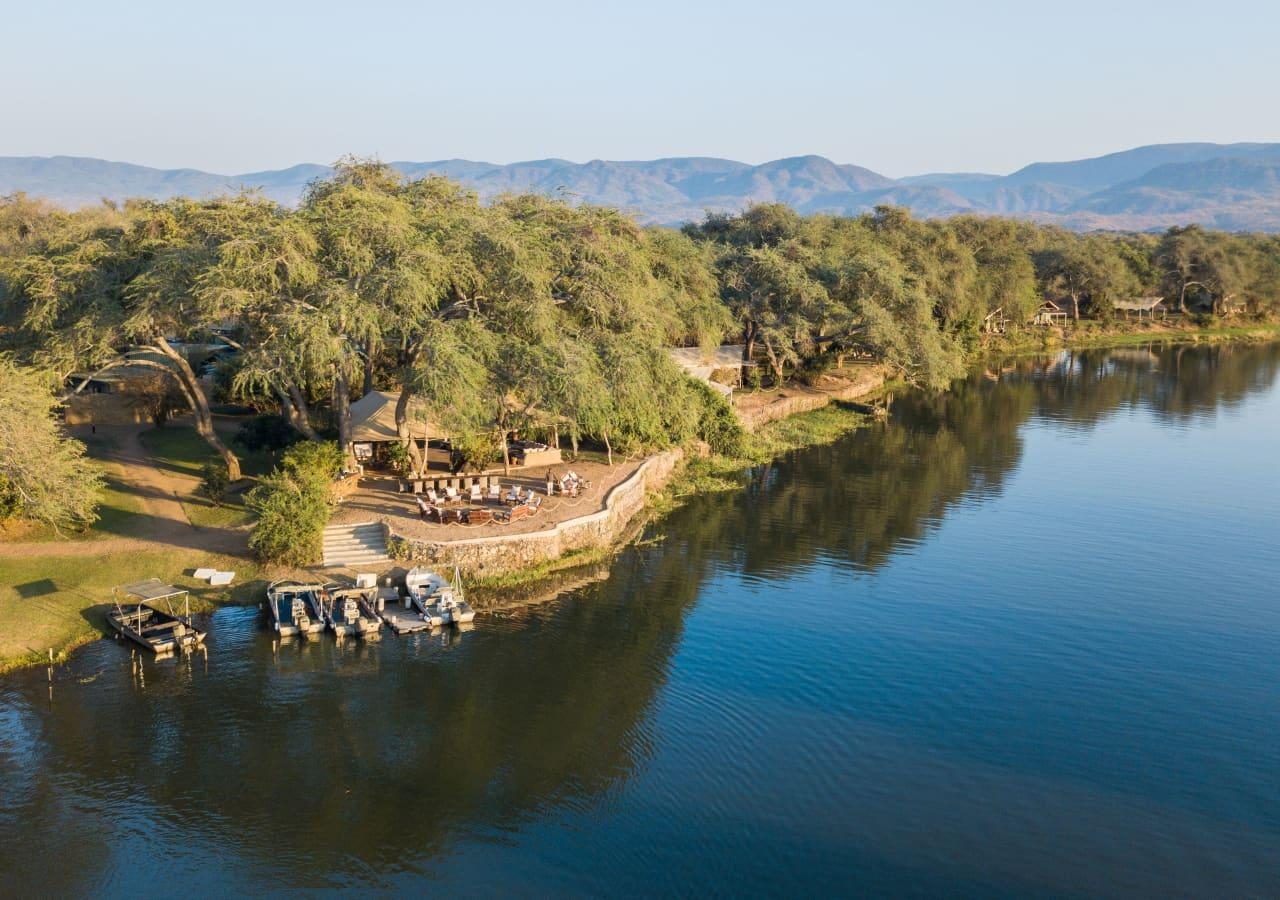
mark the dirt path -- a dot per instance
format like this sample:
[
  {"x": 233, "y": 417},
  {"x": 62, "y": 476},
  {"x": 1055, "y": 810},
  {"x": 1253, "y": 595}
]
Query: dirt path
[{"x": 163, "y": 523}]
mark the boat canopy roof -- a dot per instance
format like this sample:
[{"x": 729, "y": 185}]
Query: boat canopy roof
[{"x": 151, "y": 589}]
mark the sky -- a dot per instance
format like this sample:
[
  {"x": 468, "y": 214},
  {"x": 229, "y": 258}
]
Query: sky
[{"x": 899, "y": 87}]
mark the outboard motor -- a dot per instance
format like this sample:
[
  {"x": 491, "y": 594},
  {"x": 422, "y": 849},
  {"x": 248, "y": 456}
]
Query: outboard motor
[
  {"x": 298, "y": 612},
  {"x": 350, "y": 611}
]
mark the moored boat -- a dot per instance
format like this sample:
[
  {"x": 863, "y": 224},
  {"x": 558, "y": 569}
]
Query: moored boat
[
  {"x": 350, "y": 611},
  {"x": 423, "y": 587},
  {"x": 294, "y": 608},
  {"x": 152, "y": 621},
  {"x": 439, "y": 601}
]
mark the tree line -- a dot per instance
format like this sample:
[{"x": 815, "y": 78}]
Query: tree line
[{"x": 530, "y": 311}]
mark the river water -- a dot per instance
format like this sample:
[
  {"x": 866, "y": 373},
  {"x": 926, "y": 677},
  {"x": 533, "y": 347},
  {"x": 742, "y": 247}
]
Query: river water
[{"x": 1023, "y": 638}]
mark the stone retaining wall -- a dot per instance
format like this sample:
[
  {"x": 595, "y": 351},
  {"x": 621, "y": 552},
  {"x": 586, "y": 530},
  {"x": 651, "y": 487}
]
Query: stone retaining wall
[
  {"x": 795, "y": 404},
  {"x": 501, "y": 554}
]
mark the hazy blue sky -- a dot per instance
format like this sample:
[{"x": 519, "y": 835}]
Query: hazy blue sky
[{"x": 902, "y": 88}]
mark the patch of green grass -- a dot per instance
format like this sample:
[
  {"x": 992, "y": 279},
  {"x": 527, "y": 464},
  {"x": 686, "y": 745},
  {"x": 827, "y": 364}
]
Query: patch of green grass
[
  {"x": 1100, "y": 335},
  {"x": 182, "y": 450},
  {"x": 204, "y": 514},
  {"x": 811, "y": 429},
  {"x": 60, "y": 601},
  {"x": 574, "y": 559},
  {"x": 703, "y": 475}
]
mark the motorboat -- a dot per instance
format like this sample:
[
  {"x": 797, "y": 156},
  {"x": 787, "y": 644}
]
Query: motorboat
[
  {"x": 436, "y": 599},
  {"x": 350, "y": 611},
  {"x": 295, "y": 608},
  {"x": 152, "y": 621}
]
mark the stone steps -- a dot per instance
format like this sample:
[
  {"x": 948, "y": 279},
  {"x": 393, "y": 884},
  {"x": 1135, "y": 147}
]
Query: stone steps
[{"x": 352, "y": 546}]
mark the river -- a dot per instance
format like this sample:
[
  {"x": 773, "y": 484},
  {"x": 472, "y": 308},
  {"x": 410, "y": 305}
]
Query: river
[{"x": 1022, "y": 638}]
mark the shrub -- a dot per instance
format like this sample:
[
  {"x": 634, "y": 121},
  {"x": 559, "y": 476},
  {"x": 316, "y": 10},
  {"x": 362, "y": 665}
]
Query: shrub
[
  {"x": 293, "y": 504},
  {"x": 398, "y": 457},
  {"x": 9, "y": 500},
  {"x": 718, "y": 424},
  {"x": 322, "y": 458},
  {"x": 476, "y": 451},
  {"x": 399, "y": 549},
  {"x": 214, "y": 481}
]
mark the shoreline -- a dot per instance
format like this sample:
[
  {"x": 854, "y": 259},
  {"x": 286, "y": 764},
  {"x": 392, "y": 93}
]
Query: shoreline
[{"x": 813, "y": 422}]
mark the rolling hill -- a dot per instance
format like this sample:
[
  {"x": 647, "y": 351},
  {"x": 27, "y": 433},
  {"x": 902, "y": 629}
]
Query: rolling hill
[{"x": 1235, "y": 186}]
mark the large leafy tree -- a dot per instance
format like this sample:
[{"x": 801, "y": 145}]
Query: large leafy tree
[{"x": 43, "y": 473}]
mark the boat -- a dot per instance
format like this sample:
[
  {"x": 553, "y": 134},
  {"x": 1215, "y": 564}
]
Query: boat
[
  {"x": 152, "y": 621},
  {"x": 295, "y": 608},
  {"x": 423, "y": 585},
  {"x": 350, "y": 611},
  {"x": 436, "y": 599}
]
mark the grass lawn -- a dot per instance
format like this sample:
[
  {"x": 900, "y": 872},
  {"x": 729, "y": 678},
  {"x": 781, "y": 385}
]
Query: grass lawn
[
  {"x": 60, "y": 602},
  {"x": 180, "y": 449},
  {"x": 120, "y": 514},
  {"x": 231, "y": 514}
]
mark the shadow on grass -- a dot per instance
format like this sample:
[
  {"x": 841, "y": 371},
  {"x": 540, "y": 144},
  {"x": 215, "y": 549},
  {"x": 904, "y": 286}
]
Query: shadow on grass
[
  {"x": 96, "y": 617},
  {"x": 33, "y": 589}
]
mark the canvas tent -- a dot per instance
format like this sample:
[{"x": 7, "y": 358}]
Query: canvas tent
[
  {"x": 373, "y": 419},
  {"x": 1139, "y": 305}
]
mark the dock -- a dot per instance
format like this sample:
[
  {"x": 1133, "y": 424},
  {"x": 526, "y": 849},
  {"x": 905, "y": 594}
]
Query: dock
[
  {"x": 399, "y": 618},
  {"x": 404, "y": 621}
]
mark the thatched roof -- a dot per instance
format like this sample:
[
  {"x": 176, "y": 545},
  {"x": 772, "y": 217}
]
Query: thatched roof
[{"x": 373, "y": 419}]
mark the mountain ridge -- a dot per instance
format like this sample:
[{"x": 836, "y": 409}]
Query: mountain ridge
[{"x": 1233, "y": 186}]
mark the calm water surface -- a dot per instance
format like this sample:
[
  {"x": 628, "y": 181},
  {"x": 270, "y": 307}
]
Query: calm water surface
[{"x": 1022, "y": 639}]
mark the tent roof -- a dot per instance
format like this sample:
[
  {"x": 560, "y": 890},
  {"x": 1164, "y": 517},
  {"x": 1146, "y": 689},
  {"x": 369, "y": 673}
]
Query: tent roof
[
  {"x": 1138, "y": 303},
  {"x": 373, "y": 419},
  {"x": 696, "y": 360}
]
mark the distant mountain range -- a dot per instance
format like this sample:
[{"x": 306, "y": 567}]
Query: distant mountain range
[{"x": 1227, "y": 186}]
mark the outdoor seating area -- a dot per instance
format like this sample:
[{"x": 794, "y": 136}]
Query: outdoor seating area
[
  {"x": 484, "y": 503},
  {"x": 475, "y": 499}
]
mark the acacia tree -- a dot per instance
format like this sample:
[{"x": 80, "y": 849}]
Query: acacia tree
[
  {"x": 95, "y": 296},
  {"x": 1191, "y": 257},
  {"x": 1083, "y": 268},
  {"x": 43, "y": 473}
]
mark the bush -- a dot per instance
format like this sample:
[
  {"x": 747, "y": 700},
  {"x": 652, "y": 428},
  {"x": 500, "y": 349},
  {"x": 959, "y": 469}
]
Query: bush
[
  {"x": 398, "y": 457},
  {"x": 322, "y": 459},
  {"x": 214, "y": 481},
  {"x": 399, "y": 549},
  {"x": 475, "y": 452},
  {"x": 718, "y": 424},
  {"x": 9, "y": 500},
  {"x": 269, "y": 433},
  {"x": 293, "y": 504}
]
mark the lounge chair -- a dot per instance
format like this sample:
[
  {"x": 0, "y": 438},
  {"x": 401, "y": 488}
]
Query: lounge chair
[
  {"x": 495, "y": 490},
  {"x": 451, "y": 493},
  {"x": 476, "y": 494},
  {"x": 433, "y": 497}
]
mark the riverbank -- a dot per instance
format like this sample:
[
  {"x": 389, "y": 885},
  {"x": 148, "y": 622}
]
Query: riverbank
[
  {"x": 56, "y": 598},
  {"x": 695, "y": 474},
  {"x": 1088, "y": 335}
]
